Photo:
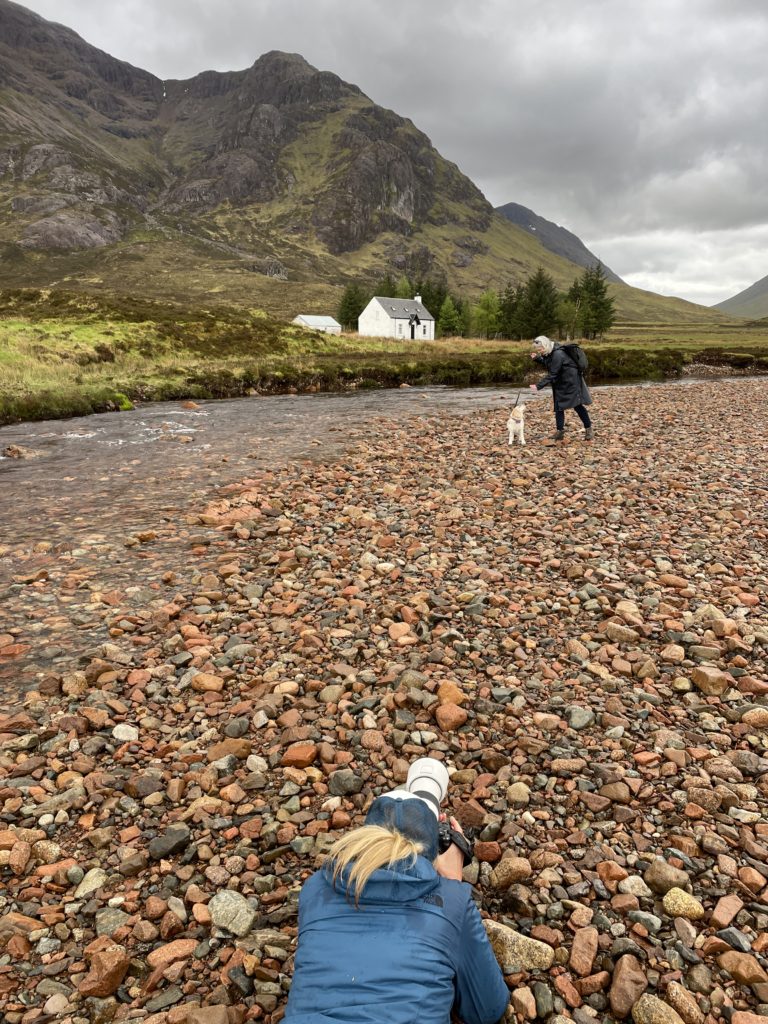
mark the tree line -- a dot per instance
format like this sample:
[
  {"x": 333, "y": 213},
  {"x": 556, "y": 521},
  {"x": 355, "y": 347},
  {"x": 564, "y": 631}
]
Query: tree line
[{"x": 524, "y": 310}]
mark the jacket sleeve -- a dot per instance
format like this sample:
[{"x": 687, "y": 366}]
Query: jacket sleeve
[
  {"x": 553, "y": 370},
  {"x": 481, "y": 993}
]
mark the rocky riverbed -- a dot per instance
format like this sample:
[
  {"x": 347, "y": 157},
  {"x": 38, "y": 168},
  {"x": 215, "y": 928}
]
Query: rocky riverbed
[{"x": 579, "y": 631}]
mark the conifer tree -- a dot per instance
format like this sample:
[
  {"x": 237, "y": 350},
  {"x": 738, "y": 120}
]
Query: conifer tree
[
  {"x": 449, "y": 319},
  {"x": 403, "y": 288},
  {"x": 596, "y": 307},
  {"x": 353, "y": 301},
  {"x": 486, "y": 314},
  {"x": 386, "y": 286},
  {"x": 508, "y": 311},
  {"x": 537, "y": 309},
  {"x": 432, "y": 294}
]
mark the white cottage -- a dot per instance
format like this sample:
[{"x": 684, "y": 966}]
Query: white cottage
[
  {"x": 408, "y": 319},
  {"x": 318, "y": 323}
]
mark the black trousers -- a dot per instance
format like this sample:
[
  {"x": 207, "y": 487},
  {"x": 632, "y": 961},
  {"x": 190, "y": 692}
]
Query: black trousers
[{"x": 581, "y": 412}]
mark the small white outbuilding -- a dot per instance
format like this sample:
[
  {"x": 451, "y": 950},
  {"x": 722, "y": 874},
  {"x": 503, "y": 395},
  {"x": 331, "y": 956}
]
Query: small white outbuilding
[
  {"x": 408, "y": 319},
  {"x": 318, "y": 323}
]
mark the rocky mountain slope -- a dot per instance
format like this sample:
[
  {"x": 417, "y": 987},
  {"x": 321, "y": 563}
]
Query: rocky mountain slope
[
  {"x": 111, "y": 178},
  {"x": 752, "y": 302},
  {"x": 557, "y": 239}
]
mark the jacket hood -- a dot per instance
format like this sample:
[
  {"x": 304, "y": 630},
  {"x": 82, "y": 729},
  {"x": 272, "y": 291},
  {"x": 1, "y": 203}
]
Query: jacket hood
[{"x": 404, "y": 882}]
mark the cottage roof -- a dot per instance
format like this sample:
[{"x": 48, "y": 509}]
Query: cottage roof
[
  {"x": 399, "y": 309},
  {"x": 317, "y": 321}
]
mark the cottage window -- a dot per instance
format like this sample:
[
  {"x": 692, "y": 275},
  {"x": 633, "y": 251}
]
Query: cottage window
[
  {"x": 399, "y": 327},
  {"x": 424, "y": 330}
]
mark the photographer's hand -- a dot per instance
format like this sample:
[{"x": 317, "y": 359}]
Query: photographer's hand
[{"x": 451, "y": 863}]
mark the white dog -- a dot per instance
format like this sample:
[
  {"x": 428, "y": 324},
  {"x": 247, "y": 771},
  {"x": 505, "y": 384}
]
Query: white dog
[{"x": 516, "y": 424}]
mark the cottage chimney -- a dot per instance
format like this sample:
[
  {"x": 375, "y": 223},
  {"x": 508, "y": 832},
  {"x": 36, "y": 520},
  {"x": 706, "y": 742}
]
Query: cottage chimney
[{"x": 417, "y": 298}]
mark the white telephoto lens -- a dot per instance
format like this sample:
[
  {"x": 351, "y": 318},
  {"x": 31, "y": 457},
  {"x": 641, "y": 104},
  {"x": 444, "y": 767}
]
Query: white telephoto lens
[{"x": 428, "y": 780}]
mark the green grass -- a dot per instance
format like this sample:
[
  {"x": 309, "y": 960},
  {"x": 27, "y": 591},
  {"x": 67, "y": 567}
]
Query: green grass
[{"x": 66, "y": 353}]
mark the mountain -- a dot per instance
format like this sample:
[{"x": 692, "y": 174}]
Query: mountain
[
  {"x": 752, "y": 302},
  {"x": 266, "y": 187},
  {"x": 553, "y": 237}
]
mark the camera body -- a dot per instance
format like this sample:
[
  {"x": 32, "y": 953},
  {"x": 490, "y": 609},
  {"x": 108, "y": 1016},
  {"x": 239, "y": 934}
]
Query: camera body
[{"x": 447, "y": 836}]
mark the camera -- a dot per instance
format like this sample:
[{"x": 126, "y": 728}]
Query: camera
[{"x": 464, "y": 841}]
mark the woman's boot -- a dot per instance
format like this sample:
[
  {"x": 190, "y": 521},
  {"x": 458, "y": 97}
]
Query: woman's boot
[
  {"x": 588, "y": 434},
  {"x": 558, "y": 435}
]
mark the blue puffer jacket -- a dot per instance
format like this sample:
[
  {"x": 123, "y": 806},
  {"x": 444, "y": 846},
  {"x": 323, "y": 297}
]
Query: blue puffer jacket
[{"x": 415, "y": 949}]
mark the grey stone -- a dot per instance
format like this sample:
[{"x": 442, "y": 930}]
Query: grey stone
[
  {"x": 344, "y": 782},
  {"x": 580, "y": 718},
  {"x": 233, "y": 912},
  {"x": 635, "y": 886},
  {"x": 109, "y": 919},
  {"x": 699, "y": 979},
  {"x": 175, "y": 838},
  {"x": 94, "y": 880},
  {"x": 648, "y": 921},
  {"x": 542, "y": 993},
  {"x": 736, "y": 939}
]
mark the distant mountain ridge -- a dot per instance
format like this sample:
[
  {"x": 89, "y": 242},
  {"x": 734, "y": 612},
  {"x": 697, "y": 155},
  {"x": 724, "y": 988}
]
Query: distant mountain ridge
[
  {"x": 224, "y": 183},
  {"x": 752, "y": 302},
  {"x": 557, "y": 239}
]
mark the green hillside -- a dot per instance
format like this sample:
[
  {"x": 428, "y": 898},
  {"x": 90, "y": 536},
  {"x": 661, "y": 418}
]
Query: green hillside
[{"x": 752, "y": 302}]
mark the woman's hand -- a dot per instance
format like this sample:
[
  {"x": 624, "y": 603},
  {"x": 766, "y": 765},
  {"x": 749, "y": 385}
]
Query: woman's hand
[
  {"x": 451, "y": 863},
  {"x": 532, "y": 387}
]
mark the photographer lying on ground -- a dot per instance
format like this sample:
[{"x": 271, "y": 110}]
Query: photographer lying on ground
[{"x": 388, "y": 932}]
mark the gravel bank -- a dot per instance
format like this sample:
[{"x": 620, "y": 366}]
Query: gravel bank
[{"x": 580, "y": 631}]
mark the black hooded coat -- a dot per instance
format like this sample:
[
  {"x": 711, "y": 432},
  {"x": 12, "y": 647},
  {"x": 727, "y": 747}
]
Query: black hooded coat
[{"x": 569, "y": 388}]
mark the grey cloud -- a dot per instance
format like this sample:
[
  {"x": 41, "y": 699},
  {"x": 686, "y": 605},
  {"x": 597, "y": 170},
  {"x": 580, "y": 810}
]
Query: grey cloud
[
  {"x": 704, "y": 267},
  {"x": 641, "y": 120}
]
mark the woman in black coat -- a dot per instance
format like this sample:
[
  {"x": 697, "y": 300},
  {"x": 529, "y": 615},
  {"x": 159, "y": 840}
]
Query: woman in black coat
[{"x": 569, "y": 389}]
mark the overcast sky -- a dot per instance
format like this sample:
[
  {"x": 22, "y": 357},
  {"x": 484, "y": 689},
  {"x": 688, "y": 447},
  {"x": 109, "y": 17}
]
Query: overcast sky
[{"x": 640, "y": 125}]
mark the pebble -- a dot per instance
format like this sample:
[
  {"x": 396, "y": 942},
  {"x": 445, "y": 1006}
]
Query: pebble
[
  {"x": 125, "y": 733},
  {"x": 92, "y": 881},
  {"x": 652, "y": 1010},
  {"x": 628, "y": 984},
  {"x": 231, "y": 910},
  {"x": 516, "y": 952},
  {"x": 679, "y": 903},
  {"x": 661, "y": 876}
]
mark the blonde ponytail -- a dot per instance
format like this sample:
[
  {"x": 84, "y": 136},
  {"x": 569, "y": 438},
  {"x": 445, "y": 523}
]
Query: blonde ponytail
[{"x": 366, "y": 850}]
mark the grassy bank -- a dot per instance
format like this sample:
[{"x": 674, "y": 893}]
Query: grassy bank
[{"x": 64, "y": 354}]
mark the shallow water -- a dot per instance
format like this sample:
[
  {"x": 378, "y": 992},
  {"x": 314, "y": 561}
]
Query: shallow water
[{"x": 165, "y": 454}]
